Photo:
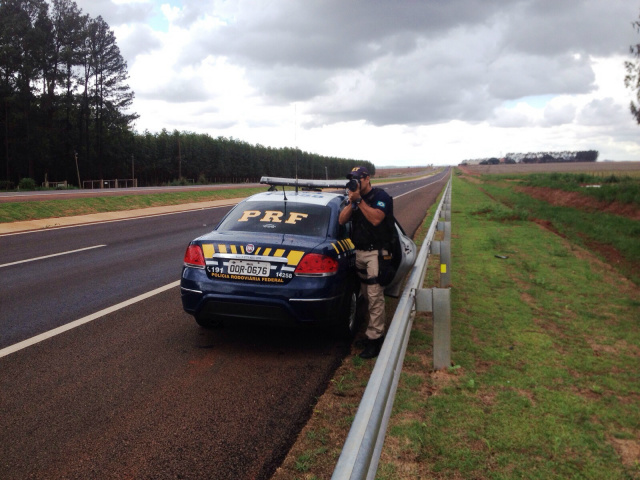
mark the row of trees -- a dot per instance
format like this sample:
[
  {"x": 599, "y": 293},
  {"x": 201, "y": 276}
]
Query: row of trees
[
  {"x": 158, "y": 158},
  {"x": 63, "y": 91},
  {"x": 64, "y": 103},
  {"x": 554, "y": 157},
  {"x": 539, "y": 157}
]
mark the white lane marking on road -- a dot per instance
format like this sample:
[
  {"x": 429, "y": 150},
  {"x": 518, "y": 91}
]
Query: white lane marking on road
[
  {"x": 69, "y": 326},
  {"x": 52, "y": 255}
]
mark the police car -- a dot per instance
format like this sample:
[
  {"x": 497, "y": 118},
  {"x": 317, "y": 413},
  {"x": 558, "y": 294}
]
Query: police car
[{"x": 280, "y": 257}]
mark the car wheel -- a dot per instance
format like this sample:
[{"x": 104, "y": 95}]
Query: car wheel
[
  {"x": 208, "y": 322},
  {"x": 352, "y": 314},
  {"x": 349, "y": 320}
]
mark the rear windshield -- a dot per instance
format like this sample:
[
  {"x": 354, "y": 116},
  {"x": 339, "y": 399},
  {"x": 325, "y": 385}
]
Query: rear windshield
[{"x": 278, "y": 217}]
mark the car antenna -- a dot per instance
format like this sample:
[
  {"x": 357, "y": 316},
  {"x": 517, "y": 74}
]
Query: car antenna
[{"x": 295, "y": 140}]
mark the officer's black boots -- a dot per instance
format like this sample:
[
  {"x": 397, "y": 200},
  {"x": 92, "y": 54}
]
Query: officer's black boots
[{"x": 372, "y": 348}]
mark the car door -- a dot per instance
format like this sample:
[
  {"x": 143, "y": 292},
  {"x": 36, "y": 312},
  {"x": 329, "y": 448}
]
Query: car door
[{"x": 404, "y": 257}]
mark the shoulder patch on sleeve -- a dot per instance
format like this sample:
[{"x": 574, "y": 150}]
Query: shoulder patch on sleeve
[{"x": 381, "y": 204}]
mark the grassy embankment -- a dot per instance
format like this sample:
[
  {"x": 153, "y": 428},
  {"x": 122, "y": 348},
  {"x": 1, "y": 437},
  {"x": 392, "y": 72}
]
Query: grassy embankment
[
  {"x": 621, "y": 187},
  {"x": 546, "y": 347},
  {"x": 615, "y": 238},
  {"x": 65, "y": 207}
]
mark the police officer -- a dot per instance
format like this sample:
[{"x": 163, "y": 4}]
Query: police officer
[{"x": 371, "y": 234}]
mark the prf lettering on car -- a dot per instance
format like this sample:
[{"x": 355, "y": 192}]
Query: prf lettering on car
[{"x": 274, "y": 216}]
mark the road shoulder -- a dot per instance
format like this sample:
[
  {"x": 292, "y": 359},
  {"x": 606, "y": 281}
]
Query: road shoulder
[{"x": 59, "y": 222}]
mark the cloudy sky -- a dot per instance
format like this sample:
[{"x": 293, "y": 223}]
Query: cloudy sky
[{"x": 402, "y": 82}]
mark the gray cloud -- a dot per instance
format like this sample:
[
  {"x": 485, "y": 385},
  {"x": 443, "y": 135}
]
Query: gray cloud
[
  {"x": 602, "y": 112},
  {"x": 397, "y": 63},
  {"x": 289, "y": 84},
  {"x": 116, "y": 14},
  {"x": 140, "y": 41},
  {"x": 177, "y": 90},
  {"x": 428, "y": 61},
  {"x": 552, "y": 27},
  {"x": 335, "y": 34},
  {"x": 516, "y": 76},
  {"x": 559, "y": 115},
  {"x": 505, "y": 118}
]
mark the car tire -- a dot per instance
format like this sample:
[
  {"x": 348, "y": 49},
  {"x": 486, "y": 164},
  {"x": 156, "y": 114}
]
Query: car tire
[
  {"x": 349, "y": 321},
  {"x": 208, "y": 322}
]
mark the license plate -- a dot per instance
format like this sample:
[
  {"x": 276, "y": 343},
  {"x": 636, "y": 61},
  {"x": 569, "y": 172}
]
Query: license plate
[{"x": 244, "y": 267}]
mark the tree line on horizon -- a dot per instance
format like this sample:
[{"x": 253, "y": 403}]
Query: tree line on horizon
[
  {"x": 539, "y": 157},
  {"x": 159, "y": 158},
  {"x": 555, "y": 157},
  {"x": 65, "y": 113}
]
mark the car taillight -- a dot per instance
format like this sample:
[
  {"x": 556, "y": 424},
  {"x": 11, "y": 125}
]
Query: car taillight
[
  {"x": 316, "y": 264},
  {"x": 194, "y": 257}
]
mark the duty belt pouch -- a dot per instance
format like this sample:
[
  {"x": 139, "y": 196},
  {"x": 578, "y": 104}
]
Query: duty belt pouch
[{"x": 386, "y": 270}]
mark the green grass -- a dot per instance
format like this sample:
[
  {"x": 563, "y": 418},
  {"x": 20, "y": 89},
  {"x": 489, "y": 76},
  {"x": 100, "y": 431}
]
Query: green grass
[
  {"x": 35, "y": 210},
  {"x": 546, "y": 344},
  {"x": 618, "y": 187},
  {"x": 611, "y": 236}
]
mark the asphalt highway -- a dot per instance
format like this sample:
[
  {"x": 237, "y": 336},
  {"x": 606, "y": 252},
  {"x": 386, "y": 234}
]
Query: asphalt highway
[{"x": 133, "y": 388}]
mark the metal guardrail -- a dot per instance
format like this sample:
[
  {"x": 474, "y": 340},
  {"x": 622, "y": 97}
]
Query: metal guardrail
[{"x": 363, "y": 446}]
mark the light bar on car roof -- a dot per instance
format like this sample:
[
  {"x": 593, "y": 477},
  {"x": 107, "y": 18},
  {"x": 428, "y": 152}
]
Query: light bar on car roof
[{"x": 303, "y": 183}]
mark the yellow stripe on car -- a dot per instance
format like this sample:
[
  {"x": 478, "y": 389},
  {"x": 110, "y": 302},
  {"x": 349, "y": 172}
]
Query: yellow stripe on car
[
  {"x": 294, "y": 257},
  {"x": 208, "y": 250}
]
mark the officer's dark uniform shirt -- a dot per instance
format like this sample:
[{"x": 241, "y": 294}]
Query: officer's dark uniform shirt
[{"x": 366, "y": 236}]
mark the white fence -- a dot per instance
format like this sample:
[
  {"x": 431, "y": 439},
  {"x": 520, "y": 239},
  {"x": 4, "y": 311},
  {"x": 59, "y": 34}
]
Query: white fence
[{"x": 117, "y": 183}]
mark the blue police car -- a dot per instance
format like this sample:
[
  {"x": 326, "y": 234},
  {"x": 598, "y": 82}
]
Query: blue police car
[{"x": 279, "y": 257}]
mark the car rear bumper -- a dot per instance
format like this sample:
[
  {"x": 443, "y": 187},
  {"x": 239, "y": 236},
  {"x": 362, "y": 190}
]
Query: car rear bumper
[
  {"x": 316, "y": 300},
  {"x": 272, "y": 311}
]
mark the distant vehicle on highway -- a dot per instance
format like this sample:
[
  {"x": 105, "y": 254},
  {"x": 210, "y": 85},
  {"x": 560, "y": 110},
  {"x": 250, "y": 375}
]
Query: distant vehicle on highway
[{"x": 281, "y": 257}]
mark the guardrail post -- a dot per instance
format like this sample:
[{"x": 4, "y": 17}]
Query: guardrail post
[
  {"x": 446, "y": 228},
  {"x": 445, "y": 264},
  {"x": 441, "y": 328},
  {"x": 445, "y": 214},
  {"x": 444, "y": 248},
  {"x": 438, "y": 302}
]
